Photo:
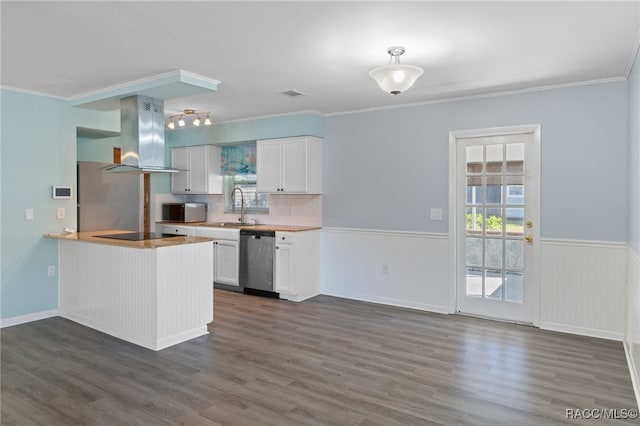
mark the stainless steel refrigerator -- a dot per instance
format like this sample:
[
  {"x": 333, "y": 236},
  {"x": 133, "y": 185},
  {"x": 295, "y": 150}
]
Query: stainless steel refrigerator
[{"x": 109, "y": 200}]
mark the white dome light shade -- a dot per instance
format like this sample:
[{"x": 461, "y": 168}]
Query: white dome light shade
[{"x": 396, "y": 78}]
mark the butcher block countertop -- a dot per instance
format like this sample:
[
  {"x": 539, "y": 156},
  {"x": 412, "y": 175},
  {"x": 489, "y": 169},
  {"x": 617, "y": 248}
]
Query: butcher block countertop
[
  {"x": 92, "y": 237},
  {"x": 259, "y": 227}
]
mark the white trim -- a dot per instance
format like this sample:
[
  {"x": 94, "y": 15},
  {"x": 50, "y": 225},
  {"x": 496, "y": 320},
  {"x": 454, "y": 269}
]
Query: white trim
[
  {"x": 486, "y": 95},
  {"x": 584, "y": 243},
  {"x": 387, "y": 232},
  {"x": 582, "y": 331},
  {"x": 632, "y": 58},
  {"x": 534, "y": 273},
  {"x": 131, "y": 84},
  {"x": 386, "y": 301},
  {"x": 261, "y": 117},
  {"x": 633, "y": 372},
  {"x": 23, "y": 319},
  {"x": 33, "y": 92},
  {"x": 453, "y": 235}
]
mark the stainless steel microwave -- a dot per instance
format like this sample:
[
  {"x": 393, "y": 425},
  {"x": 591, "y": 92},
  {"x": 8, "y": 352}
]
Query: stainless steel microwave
[{"x": 184, "y": 212}]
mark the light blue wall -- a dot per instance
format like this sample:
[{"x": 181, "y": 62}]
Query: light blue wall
[
  {"x": 99, "y": 150},
  {"x": 281, "y": 126},
  {"x": 633, "y": 223},
  {"x": 386, "y": 169},
  {"x": 33, "y": 158}
]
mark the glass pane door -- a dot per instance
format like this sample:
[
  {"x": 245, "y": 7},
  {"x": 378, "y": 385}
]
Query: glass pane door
[{"x": 492, "y": 200}]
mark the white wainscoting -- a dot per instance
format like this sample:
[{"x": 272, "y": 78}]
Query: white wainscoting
[
  {"x": 582, "y": 287},
  {"x": 632, "y": 330},
  {"x": 417, "y": 267}
]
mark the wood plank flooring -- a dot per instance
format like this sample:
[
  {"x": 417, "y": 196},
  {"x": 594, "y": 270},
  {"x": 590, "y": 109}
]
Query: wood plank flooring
[{"x": 326, "y": 361}]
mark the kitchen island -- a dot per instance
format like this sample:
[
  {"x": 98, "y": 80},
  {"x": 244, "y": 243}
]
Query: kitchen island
[{"x": 154, "y": 293}]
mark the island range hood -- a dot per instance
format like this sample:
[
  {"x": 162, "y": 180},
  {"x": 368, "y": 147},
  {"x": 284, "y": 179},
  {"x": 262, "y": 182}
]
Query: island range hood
[{"x": 141, "y": 136}]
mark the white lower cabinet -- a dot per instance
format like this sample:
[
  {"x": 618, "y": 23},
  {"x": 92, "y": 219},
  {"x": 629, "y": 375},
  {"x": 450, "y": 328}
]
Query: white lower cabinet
[
  {"x": 226, "y": 254},
  {"x": 297, "y": 265},
  {"x": 284, "y": 278},
  {"x": 225, "y": 269}
]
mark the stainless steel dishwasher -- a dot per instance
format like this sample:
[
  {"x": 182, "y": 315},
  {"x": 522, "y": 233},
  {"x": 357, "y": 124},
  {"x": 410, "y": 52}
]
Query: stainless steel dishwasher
[{"x": 257, "y": 249}]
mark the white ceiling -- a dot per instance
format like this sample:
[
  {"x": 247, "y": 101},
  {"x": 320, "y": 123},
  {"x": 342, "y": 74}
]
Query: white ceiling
[{"x": 323, "y": 49}]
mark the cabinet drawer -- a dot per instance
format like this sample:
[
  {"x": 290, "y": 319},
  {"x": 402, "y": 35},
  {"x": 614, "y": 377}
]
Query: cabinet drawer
[
  {"x": 218, "y": 233},
  {"x": 179, "y": 230},
  {"x": 285, "y": 237}
]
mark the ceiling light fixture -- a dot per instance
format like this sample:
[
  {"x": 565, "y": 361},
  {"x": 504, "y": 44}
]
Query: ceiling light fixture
[
  {"x": 396, "y": 78},
  {"x": 186, "y": 113}
]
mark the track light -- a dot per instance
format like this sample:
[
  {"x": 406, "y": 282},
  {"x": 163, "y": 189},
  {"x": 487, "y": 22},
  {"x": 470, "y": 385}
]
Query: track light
[{"x": 186, "y": 113}]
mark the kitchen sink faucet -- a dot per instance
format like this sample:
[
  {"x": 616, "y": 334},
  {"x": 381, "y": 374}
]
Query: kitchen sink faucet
[{"x": 233, "y": 203}]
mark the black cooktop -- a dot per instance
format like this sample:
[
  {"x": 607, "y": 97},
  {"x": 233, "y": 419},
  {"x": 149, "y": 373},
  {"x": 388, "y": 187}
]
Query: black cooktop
[{"x": 138, "y": 236}]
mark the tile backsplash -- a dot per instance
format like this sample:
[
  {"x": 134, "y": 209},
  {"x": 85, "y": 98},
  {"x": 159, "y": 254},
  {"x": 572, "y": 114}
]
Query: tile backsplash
[{"x": 299, "y": 210}]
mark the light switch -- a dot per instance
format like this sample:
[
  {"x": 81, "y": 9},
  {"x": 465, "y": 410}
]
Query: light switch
[
  {"x": 60, "y": 213},
  {"x": 29, "y": 214},
  {"x": 436, "y": 214}
]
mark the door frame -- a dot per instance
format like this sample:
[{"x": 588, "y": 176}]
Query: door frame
[{"x": 533, "y": 169}]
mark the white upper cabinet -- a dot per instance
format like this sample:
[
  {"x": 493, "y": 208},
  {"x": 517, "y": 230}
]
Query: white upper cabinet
[
  {"x": 201, "y": 165},
  {"x": 289, "y": 165}
]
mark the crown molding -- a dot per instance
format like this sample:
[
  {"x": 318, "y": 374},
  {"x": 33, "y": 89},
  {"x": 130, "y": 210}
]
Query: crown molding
[{"x": 484, "y": 95}]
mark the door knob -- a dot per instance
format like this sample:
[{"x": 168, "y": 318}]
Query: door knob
[
  {"x": 528, "y": 238},
  {"x": 529, "y": 224}
]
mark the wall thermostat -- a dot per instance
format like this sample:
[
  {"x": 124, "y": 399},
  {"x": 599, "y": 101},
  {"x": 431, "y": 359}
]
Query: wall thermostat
[{"x": 62, "y": 192}]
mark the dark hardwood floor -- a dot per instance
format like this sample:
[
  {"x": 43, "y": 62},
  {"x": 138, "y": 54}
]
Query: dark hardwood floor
[{"x": 326, "y": 361}]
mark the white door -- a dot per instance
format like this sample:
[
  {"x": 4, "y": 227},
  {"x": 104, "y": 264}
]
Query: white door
[
  {"x": 198, "y": 170},
  {"x": 284, "y": 268},
  {"x": 496, "y": 225},
  {"x": 294, "y": 165},
  {"x": 226, "y": 269},
  {"x": 268, "y": 165},
  {"x": 180, "y": 161}
]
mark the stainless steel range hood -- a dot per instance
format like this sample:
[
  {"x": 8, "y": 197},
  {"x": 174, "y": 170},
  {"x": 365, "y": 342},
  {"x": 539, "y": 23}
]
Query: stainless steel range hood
[{"x": 141, "y": 136}]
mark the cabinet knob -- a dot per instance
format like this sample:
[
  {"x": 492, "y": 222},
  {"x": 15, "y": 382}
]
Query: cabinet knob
[{"x": 277, "y": 248}]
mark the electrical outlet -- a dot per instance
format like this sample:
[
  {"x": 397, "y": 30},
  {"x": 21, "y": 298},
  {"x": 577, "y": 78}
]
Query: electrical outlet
[
  {"x": 60, "y": 213},
  {"x": 385, "y": 268},
  {"x": 28, "y": 214},
  {"x": 51, "y": 270},
  {"x": 436, "y": 214}
]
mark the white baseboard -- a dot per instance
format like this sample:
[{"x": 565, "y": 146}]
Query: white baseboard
[
  {"x": 386, "y": 301},
  {"x": 22, "y": 319},
  {"x": 582, "y": 331},
  {"x": 633, "y": 372}
]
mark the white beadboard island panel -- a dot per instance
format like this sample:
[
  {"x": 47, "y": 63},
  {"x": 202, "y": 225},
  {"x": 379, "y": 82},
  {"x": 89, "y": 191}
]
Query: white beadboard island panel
[
  {"x": 154, "y": 298},
  {"x": 416, "y": 274},
  {"x": 583, "y": 287}
]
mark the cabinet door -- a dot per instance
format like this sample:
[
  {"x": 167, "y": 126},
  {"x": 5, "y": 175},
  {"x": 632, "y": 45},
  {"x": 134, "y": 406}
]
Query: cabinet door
[
  {"x": 284, "y": 269},
  {"x": 294, "y": 165},
  {"x": 268, "y": 166},
  {"x": 180, "y": 180},
  {"x": 226, "y": 262},
  {"x": 198, "y": 170}
]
